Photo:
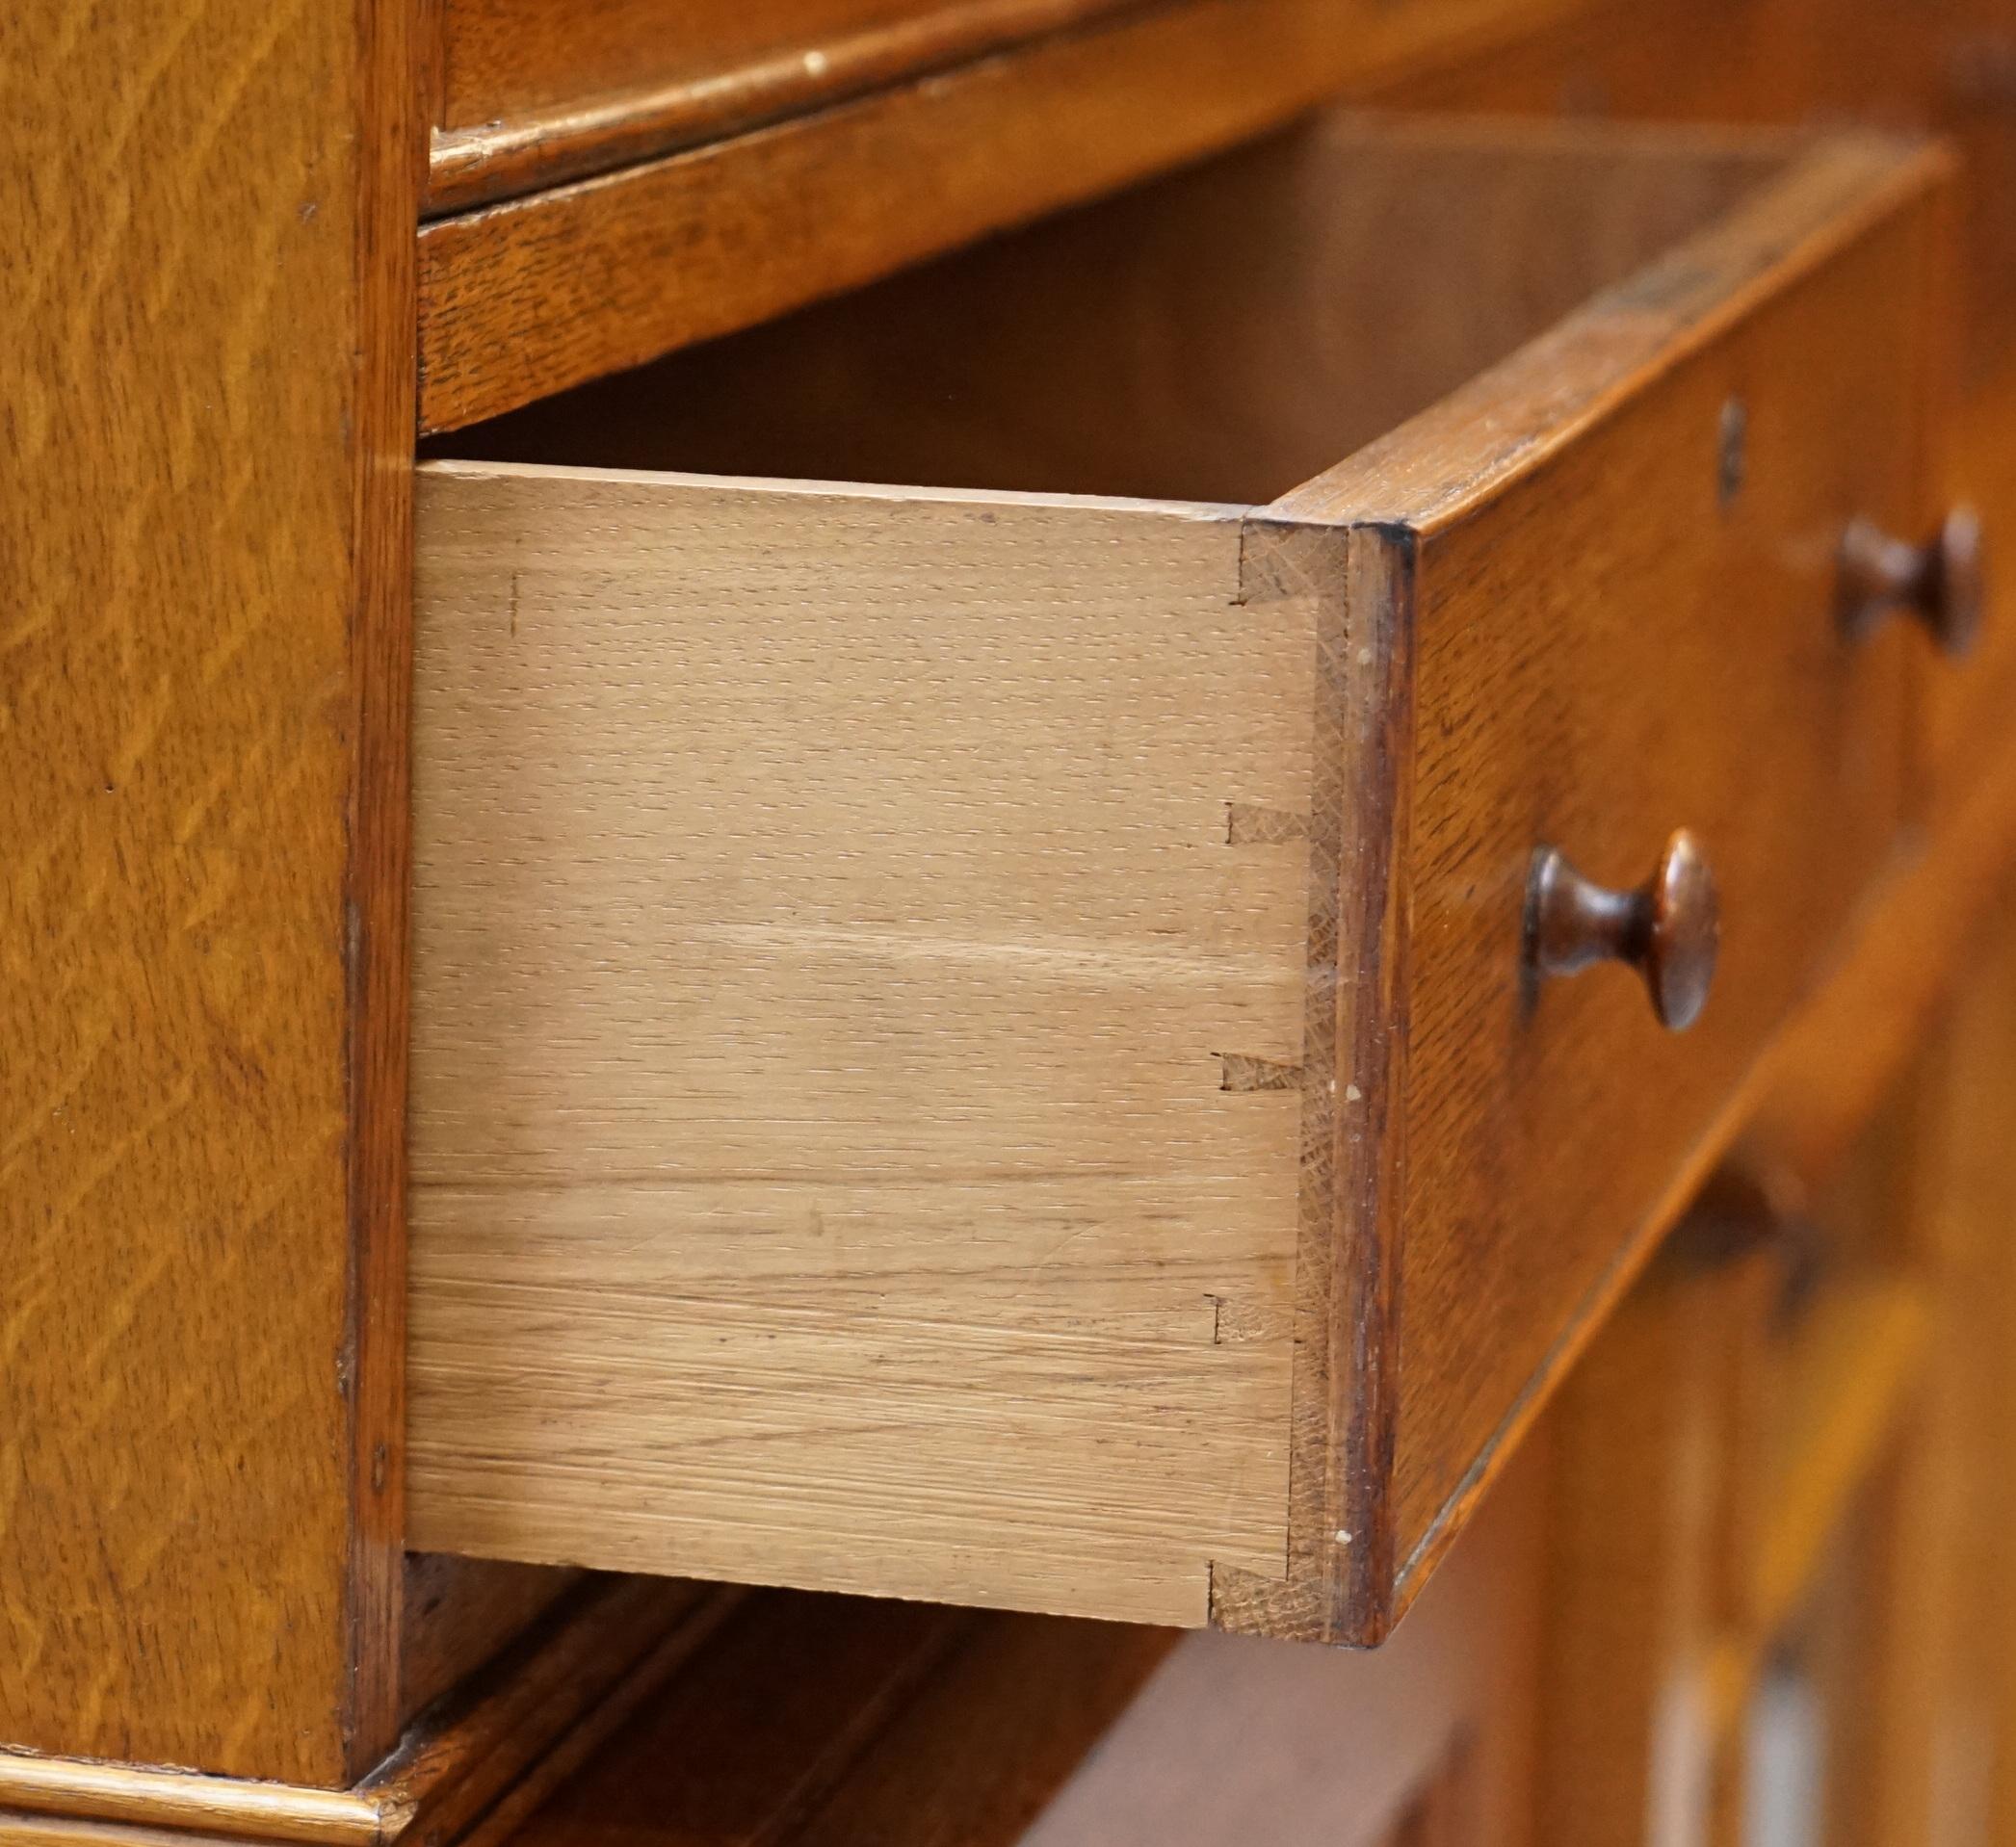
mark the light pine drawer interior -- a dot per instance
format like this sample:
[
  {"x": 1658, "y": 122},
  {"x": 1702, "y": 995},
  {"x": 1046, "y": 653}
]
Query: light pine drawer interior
[{"x": 973, "y": 1037}]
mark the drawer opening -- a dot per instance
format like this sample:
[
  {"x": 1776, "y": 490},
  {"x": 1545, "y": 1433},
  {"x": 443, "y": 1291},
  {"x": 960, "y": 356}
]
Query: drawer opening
[{"x": 1219, "y": 336}]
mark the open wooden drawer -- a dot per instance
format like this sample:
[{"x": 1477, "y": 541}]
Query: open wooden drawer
[{"x": 981, "y": 1039}]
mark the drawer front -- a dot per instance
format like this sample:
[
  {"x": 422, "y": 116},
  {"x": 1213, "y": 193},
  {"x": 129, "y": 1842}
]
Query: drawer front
[
  {"x": 532, "y": 90},
  {"x": 1641, "y": 634},
  {"x": 505, "y": 59}
]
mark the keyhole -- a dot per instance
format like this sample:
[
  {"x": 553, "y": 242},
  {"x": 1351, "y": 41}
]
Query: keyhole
[{"x": 1732, "y": 450}]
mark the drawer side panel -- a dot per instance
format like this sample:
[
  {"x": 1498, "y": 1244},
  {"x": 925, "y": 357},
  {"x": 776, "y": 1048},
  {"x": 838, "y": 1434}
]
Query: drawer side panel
[{"x": 859, "y": 967}]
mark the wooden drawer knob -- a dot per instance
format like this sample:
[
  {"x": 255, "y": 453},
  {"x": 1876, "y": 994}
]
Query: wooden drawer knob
[
  {"x": 1669, "y": 929},
  {"x": 1943, "y": 584}
]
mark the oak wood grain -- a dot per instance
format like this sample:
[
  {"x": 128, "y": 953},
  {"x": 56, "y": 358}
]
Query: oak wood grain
[{"x": 205, "y": 308}]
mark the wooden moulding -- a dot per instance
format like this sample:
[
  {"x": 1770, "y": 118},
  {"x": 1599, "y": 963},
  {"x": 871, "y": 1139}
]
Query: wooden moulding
[
  {"x": 524, "y": 298},
  {"x": 547, "y": 130},
  {"x": 469, "y": 1770},
  {"x": 813, "y": 1347}
]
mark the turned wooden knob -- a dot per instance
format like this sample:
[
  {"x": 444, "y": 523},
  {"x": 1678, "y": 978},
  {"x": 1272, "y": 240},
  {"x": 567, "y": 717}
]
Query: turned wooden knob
[
  {"x": 1669, "y": 929},
  {"x": 1943, "y": 584}
]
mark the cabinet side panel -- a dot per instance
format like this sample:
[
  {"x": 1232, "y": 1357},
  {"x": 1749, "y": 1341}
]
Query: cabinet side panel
[
  {"x": 860, "y": 983},
  {"x": 206, "y": 403}
]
